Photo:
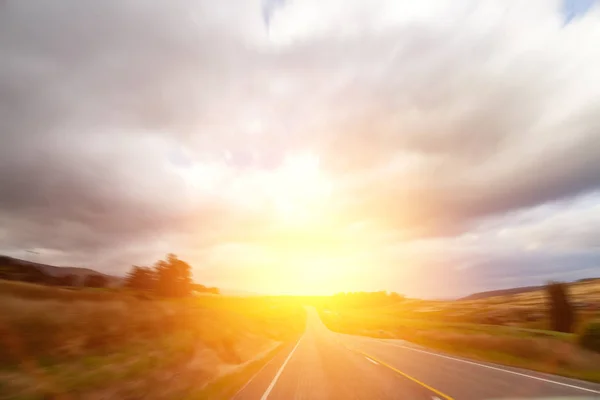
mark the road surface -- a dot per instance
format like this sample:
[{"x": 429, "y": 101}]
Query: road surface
[{"x": 327, "y": 365}]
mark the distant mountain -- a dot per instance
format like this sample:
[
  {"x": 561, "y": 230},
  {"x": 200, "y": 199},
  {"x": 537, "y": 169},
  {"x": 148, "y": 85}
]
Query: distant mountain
[
  {"x": 23, "y": 270},
  {"x": 501, "y": 292},
  {"x": 588, "y": 280},
  {"x": 517, "y": 290}
]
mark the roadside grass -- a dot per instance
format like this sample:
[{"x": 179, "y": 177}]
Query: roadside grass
[
  {"x": 31, "y": 291},
  {"x": 228, "y": 385},
  {"x": 386, "y": 318},
  {"x": 525, "y": 310},
  {"x": 87, "y": 343},
  {"x": 545, "y": 351}
]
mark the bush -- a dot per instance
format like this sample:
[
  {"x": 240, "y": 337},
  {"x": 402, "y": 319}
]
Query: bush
[{"x": 590, "y": 337}]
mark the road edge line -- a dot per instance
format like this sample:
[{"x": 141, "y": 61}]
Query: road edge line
[
  {"x": 256, "y": 374},
  {"x": 495, "y": 368},
  {"x": 274, "y": 381},
  {"x": 415, "y": 380}
]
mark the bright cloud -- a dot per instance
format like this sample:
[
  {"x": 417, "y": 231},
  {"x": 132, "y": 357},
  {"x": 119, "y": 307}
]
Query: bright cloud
[{"x": 434, "y": 148}]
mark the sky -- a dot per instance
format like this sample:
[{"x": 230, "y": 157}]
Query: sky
[{"x": 433, "y": 148}]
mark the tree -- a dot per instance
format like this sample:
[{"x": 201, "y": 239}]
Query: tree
[
  {"x": 196, "y": 287},
  {"x": 364, "y": 299},
  {"x": 141, "y": 278},
  {"x": 214, "y": 290},
  {"x": 173, "y": 277},
  {"x": 168, "y": 278},
  {"x": 395, "y": 297},
  {"x": 95, "y": 281},
  {"x": 562, "y": 314}
]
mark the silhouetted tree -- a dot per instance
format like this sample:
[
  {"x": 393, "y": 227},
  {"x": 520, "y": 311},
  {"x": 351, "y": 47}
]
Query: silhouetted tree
[
  {"x": 214, "y": 290},
  {"x": 95, "y": 281},
  {"x": 204, "y": 289},
  {"x": 364, "y": 299},
  {"x": 168, "y": 278},
  {"x": 395, "y": 297},
  {"x": 562, "y": 313},
  {"x": 141, "y": 278},
  {"x": 25, "y": 273},
  {"x": 173, "y": 277}
]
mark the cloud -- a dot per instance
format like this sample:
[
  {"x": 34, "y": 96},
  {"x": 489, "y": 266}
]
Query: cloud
[{"x": 130, "y": 129}]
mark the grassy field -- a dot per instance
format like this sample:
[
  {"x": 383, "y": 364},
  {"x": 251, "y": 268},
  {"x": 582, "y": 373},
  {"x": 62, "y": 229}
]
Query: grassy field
[
  {"x": 526, "y": 310},
  {"x": 107, "y": 343},
  {"x": 517, "y": 334}
]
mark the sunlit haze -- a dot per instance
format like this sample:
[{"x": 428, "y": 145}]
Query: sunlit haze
[{"x": 432, "y": 148}]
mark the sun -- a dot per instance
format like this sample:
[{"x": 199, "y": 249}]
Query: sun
[{"x": 299, "y": 248}]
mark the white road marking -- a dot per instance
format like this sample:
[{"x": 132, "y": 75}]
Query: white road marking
[
  {"x": 373, "y": 361},
  {"x": 253, "y": 376},
  {"x": 274, "y": 381},
  {"x": 435, "y": 398},
  {"x": 497, "y": 369}
]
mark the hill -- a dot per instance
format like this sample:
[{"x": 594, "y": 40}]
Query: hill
[
  {"x": 22, "y": 270},
  {"x": 517, "y": 290},
  {"x": 501, "y": 292}
]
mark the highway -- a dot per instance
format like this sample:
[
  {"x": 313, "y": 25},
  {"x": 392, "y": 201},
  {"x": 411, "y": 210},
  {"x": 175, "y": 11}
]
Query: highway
[{"x": 327, "y": 365}]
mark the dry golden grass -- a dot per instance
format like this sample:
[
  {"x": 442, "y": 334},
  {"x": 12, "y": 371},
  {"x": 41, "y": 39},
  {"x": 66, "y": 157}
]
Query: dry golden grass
[
  {"x": 83, "y": 344},
  {"x": 525, "y": 310},
  {"x": 545, "y": 351},
  {"x": 584, "y": 292}
]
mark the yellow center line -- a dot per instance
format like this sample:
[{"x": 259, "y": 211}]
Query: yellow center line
[{"x": 442, "y": 395}]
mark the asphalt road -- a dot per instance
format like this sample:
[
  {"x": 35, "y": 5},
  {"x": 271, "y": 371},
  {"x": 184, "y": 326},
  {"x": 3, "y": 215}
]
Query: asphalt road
[{"x": 327, "y": 365}]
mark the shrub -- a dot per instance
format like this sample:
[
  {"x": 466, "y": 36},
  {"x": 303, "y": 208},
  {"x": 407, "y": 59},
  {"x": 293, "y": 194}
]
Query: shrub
[{"x": 590, "y": 337}]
